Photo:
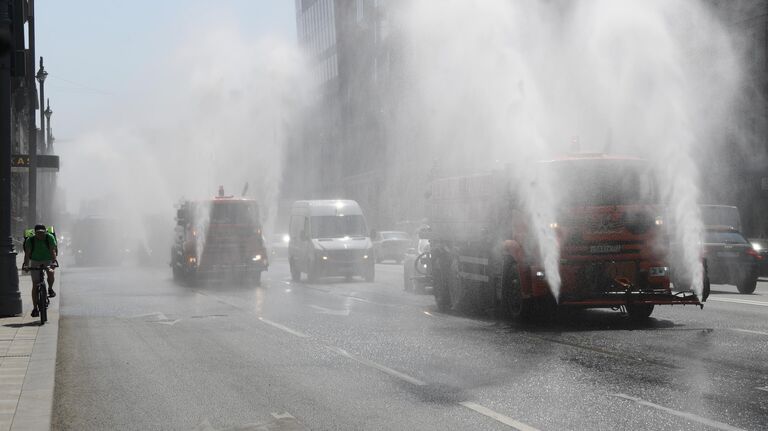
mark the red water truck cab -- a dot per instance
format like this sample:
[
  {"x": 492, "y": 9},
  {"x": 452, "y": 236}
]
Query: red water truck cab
[
  {"x": 217, "y": 237},
  {"x": 607, "y": 234}
]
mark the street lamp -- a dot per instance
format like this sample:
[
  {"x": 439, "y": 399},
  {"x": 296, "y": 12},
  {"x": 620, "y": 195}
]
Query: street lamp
[
  {"x": 41, "y": 75},
  {"x": 48, "y": 135}
]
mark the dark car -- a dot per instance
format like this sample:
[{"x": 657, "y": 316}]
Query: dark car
[
  {"x": 390, "y": 245},
  {"x": 731, "y": 259},
  {"x": 761, "y": 247}
]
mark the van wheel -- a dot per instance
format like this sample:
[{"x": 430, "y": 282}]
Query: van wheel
[{"x": 295, "y": 273}]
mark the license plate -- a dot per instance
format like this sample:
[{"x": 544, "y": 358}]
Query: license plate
[
  {"x": 605, "y": 249},
  {"x": 727, "y": 254}
]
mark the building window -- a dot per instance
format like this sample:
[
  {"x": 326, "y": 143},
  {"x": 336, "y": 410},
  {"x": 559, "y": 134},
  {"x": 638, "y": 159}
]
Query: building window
[{"x": 360, "y": 10}]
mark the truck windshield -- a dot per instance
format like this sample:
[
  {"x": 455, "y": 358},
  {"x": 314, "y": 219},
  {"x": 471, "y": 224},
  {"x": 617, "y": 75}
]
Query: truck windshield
[
  {"x": 242, "y": 212},
  {"x": 604, "y": 182},
  {"x": 338, "y": 226}
]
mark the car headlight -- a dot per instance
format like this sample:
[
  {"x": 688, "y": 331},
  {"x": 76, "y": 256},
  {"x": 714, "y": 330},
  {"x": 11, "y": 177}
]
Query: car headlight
[
  {"x": 256, "y": 258},
  {"x": 757, "y": 246},
  {"x": 325, "y": 257}
]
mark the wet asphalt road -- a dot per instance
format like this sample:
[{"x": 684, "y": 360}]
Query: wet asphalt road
[{"x": 137, "y": 351}]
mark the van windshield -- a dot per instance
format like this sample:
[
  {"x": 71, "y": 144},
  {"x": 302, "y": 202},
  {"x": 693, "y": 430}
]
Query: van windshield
[{"x": 338, "y": 226}]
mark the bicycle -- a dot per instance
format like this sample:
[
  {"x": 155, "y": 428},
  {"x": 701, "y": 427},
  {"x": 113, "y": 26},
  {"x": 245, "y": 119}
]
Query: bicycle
[{"x": 42, "y": 291}]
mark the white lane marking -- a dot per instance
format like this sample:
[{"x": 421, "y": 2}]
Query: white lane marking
[
  {"x": 167, "y": 322},
  {"x": 355, "y": 298},
  {"x": 428, "y": 314},
  {"x": 764, "y": 388},
  {"x": 739, "y": 301},
  {"x": 283, "y": 415},
  {"x": 284, "y": 328},
  {"x": 387, "y": 370},
  {"x": 748, "y": 331},
  {"x": 157, "y": 314},
  {"x": 323, "y": 310},
  {"x": 685, "y": 415},
  {"x": 506, "y": 420}
]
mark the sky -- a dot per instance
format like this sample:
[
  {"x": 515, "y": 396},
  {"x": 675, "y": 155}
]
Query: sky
[
  {"x": 133, "y": 83},
  {"x": 99, "y": 52}
]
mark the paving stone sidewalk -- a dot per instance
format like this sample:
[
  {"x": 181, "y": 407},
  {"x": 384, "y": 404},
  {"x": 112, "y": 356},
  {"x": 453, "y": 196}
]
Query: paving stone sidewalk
[{"x": 28, "y": 364}]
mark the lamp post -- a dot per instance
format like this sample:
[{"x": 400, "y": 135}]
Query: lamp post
[
  {"x": 48, "y": 136},
  {"x": 41, "y": 75},
  {"x": 44, "y": 187},
  {"x": 10, "y": 297}
]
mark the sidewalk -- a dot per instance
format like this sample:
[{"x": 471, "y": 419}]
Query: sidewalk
[{"x": 28, "y": 364}]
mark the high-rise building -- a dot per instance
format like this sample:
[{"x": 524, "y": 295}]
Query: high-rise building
[{"x": 342, "y": 141}]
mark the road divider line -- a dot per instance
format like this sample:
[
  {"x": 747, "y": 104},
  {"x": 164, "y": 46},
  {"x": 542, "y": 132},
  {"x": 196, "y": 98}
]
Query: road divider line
[
  {"x": 685, "y": 415},
  {"x": 323, "y": 310},
  {"x": 764, "y": 388},
  {"x": 739, "y": 301},
  {"x": 382, "y": 368},
  {"x": 284, "y": 328},
  {"x": 749, "y": 331},
  {"x": 506, "y": 420}
]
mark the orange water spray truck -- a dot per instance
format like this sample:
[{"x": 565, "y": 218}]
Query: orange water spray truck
[{"x": 604, "y": 234}]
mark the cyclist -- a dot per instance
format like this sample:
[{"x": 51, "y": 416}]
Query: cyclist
[{"x": 40, "y": 249}]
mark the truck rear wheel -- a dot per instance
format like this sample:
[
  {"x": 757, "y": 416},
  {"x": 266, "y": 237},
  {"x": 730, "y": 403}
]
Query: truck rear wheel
[
  {"x": 513, "y": 305},
  {"x": 441, "y": 269},
  {"x": 639, "y": 312}
]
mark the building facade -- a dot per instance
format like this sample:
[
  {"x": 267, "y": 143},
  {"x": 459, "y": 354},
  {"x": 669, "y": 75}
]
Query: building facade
[
  {"x": 344, "y": 144},
  {"x": 342, "y": 138}
]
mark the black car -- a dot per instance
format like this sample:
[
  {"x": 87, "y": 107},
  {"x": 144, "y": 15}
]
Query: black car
[
  {"x": 731, "y": 259},
  {"x": 390, "y": 245}
]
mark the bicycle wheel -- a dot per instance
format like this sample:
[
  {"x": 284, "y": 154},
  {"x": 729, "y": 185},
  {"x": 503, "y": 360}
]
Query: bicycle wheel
[{"x": 42, "y": 303}]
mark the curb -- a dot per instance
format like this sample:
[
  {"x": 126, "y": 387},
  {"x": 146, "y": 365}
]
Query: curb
[{"x": 35, "y": 407}]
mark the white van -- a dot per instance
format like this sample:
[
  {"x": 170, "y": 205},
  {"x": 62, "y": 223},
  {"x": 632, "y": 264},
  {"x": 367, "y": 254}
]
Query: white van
[{"x": 329, "y": 237}]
